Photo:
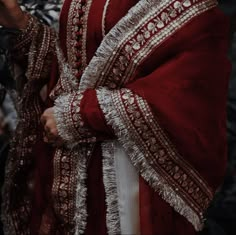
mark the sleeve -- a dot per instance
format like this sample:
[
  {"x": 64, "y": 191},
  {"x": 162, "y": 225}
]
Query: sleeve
[
  {"x": 174, "y": 91},
  {"x": 34, "y": 49},
  {"x": 170, "y": 120},
  {"x": 171, "y": 124},
  {"x": 80, "y": 120}
]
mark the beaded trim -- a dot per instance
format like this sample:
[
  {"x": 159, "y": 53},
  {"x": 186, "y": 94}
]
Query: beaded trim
[
  {"x": 63, "y": 191},
  {"x": 67, "y": 108},
  {"x": 16, "y": 209},
  {"x": 37, "y": 42},
  {"x": 153, "y": 155},
  {"x": 147, "y": 25},
  {"x": 67, "y": 82},
  {"x": 71, "y": 70},
  {"x": 123, "y": 50},
  {"x": 77, "y": 34}
]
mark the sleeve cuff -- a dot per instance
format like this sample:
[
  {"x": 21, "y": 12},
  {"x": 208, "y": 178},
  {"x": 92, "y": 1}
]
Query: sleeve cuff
[
  {"x": 71, "y": 127},
  {"x": 93, "y": 116},
  {"x": 80, "y": 120}
]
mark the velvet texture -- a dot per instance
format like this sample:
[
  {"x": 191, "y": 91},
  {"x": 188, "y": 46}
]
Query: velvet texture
[{"x": 185, "y": 82}]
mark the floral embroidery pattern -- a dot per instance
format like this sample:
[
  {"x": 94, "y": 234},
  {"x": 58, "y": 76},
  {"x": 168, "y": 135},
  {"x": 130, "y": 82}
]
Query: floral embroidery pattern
[
  {"x": 153, "y": 154},
  {"x": 115, "y": 66},
  {"x": 148, "y": 35}
]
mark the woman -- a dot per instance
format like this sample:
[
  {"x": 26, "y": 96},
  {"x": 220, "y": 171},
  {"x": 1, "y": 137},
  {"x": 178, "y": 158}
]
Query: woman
[{"x": 132, "y": 123}]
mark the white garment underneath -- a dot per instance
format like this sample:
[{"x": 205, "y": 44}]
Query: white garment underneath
[{"x": 127, "y": 180}]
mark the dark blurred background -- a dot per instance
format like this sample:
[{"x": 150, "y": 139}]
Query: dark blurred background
[{"x": 221, "y": 216}]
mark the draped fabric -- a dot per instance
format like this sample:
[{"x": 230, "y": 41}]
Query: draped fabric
[{"x": 147, "y": 79}]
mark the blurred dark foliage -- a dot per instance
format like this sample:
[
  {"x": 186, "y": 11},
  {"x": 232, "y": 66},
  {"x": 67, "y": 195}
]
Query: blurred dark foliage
[{"x": 221, "y": 216}]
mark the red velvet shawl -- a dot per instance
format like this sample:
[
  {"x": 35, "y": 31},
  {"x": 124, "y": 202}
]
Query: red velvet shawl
[{"x": 157, "y": 84}]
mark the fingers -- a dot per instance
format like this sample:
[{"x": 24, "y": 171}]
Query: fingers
[
  {"x": 46, "y": 115},
  {"x": 50, "y": 128},
  {"x": 50, "y": 133},
  {"x": 52, "y": 139},
  {"x": 43, "y": 120}
]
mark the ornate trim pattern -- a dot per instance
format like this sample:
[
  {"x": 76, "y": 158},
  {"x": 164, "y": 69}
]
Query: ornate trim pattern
[
  {"x": 109, "y": 179},
  {"x": 18, "y": 183},
  {"x": 153, "y": 154},
  {"x": 135, "y": 36},
  {"x": 64, "y": 171},
  {"x": 122, "y": 51},
  {"x": 72, "y": 68},
  {"x": 70, "y": 125},
  {"x": 70, "y": 169}
]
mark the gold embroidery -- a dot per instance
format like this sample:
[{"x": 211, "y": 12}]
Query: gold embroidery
[
  {"x": 153, "y": 154},
  {"x": 77, "y": 34},
  {"x": 18, "y": 194},
  {"x": 154, "y": 22}
]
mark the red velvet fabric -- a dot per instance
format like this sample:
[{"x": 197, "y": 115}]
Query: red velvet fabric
[
  {"x": 180, "y": 85},
  {"x": 185, "y": 82}
]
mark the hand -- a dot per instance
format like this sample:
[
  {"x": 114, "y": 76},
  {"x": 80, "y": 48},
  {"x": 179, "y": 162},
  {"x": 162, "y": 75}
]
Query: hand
[
  {"x": 51, "y": 132},
  {"x": 11, "y": 15}
]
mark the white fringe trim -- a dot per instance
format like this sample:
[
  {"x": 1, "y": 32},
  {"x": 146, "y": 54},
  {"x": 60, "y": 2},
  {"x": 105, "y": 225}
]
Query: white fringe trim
[
  {"x": 155, "y": 180},
  {"x": 81, "y": 195},
  {"x": 64, "y": 125},
  {"x": 109, "y": 179},
  {"x": 116, "y": 36}
]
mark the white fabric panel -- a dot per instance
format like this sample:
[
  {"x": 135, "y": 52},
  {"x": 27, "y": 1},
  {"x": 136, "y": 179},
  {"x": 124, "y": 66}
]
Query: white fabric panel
[{"x": 128, "y": 193}]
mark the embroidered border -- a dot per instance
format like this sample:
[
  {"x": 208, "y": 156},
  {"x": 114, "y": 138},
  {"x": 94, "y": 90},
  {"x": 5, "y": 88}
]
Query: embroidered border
[
  {"x": 67, "y": 107},
  {"x": 114, "y": 64},
  {"x": 77, "y": 34},
  {"x": 165, "y": 170},
  {"x": 104, "y": 17},
  {"x": 63, "y": 192},
  {"x": 118, "y": 56},
  {"x": 17, "y": 215},
  {"x": 158, "y": 30},
  {"x": 17, "y": 206},
  {"x": 72, "y": 69},
  {"x": 70, "y": 125},
  {"x": 125, "y": 46}
]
